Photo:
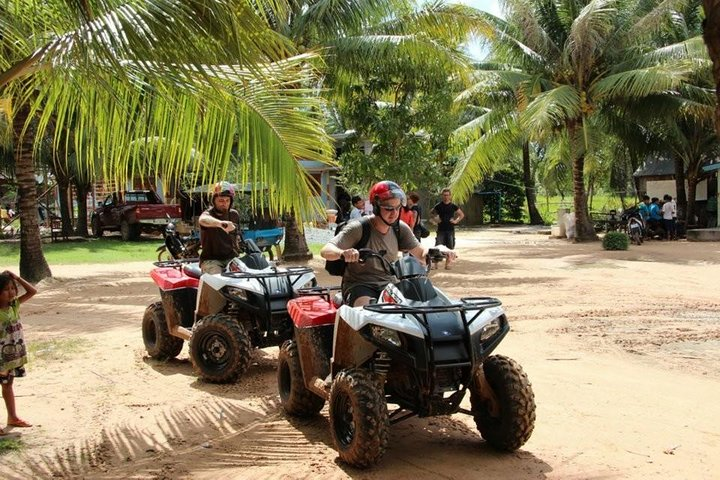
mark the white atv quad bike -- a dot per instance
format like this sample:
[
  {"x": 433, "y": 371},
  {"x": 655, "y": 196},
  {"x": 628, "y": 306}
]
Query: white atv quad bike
[
  {"x": 223, "y": 316},
  {"x": 415, "y": 348}
]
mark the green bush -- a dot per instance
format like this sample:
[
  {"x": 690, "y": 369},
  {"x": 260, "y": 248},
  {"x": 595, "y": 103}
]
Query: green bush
[{"x": 616, "y": 241}]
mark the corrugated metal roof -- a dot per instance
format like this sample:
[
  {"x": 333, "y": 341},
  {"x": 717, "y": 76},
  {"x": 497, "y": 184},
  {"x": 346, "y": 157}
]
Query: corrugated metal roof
[{"x": 656, "y": 167}]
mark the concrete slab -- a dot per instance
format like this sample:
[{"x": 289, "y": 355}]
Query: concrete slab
[{"x": 704, "y": 235}]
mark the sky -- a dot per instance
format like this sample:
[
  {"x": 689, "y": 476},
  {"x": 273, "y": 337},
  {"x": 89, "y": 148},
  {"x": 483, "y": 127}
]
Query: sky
[{"x": 490, "y": 6}]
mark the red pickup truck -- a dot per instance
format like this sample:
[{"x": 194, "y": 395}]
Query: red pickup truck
[{"x": 132, "y": 213}]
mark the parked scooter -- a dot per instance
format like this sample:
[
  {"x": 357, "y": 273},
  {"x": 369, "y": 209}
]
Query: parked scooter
[
  {"x": 177, "y": 246},
  {"x": 634, "y": 225},
  {"x": 415, "y": 348},
  {"x": 223, "y": 316}
]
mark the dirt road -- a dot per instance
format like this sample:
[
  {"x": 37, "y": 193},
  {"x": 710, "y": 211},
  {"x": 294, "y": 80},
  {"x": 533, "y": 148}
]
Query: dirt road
[{"x": 623, "y": 349}]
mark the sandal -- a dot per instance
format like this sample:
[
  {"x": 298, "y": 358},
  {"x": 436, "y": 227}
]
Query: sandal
[{"x": 19, "y": 423}]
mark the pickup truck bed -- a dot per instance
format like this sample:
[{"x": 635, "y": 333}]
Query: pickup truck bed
[{"x": 132, "y": 213}]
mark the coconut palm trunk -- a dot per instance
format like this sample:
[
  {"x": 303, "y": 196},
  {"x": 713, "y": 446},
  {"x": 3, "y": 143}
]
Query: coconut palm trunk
[
  {"x": 296, "y": 248},
  {"x": 535, "y": 218},
  {"x": 33, "y": 266},
  {"x": 711, "y": 35}
]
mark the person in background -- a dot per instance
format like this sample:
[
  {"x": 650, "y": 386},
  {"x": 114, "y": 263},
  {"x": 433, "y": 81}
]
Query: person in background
[
  {"x": 344, "y": 209},
  {"x": 358, "y": 208},
  {"x": 449, "y": 215},
  {"x": 219, "y": 230},
  {"x": 654, "y": 215},
  {"x": 667, "y": 214},
  {"x": 414, "y": 204}
]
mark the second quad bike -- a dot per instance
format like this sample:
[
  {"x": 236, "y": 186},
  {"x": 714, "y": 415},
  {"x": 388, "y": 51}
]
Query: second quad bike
[
  {"x": 222, "y": 316},
  {"x": 415, "y": 348}
]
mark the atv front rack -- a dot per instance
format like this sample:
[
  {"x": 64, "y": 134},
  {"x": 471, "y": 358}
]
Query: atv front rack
[
  {"x": 324, "y": 292},
  {"x": 274, "y": 273},
  {"x": 465, "y": 304}
]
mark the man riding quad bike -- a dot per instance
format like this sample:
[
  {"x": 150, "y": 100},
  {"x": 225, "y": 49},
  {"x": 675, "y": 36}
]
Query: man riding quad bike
[
  {"x": 415, "y": 348},
  {"x": 224, "y": 315}
]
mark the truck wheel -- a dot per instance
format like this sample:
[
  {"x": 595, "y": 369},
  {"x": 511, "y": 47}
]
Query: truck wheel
[
  {"x": 359, "y": 420},
  {"x": 220, "y": 349},
  {"x": 295, "y": 398},
  {"x": 511, "y": 426},
  {"x": 97, "y": 230},
  {"x": 156, "y": 337},
  {"x": 129, "y": 232}
]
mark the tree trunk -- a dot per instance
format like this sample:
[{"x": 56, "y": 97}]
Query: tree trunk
[
  {"x": 711, "y": 35},
  {"x": 534, "y": 214},
  {"x": 296, "y": 248},
  {"x": 33, "y": 266},
  {"x": 584, "y": 230},
  {"x": 81, "y": 227},
  {"x": 63, "y": 195},
  {"x": 681, "y": 199}
]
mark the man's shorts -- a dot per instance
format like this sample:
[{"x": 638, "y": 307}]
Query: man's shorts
[
  {"x": 353, "y": 293},
  {"x": 214, "y": 266},
  {"x": 446, "y": 238}
]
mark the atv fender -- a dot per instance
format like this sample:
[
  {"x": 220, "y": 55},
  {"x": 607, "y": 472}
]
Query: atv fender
[{"x": 209, "y": 299}]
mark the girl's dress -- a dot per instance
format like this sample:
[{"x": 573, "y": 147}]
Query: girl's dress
[{"x": 13, "y": 354}]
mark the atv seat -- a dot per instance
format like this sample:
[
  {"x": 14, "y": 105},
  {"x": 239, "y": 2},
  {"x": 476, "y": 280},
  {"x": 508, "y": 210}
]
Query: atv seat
[{"x": 192, "y": 270}]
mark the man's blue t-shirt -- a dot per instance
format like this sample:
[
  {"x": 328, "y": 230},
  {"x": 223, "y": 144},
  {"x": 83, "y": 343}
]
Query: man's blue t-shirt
[
  {"x": 655, "y": 212},
  {"x": 644, "y": 211}
]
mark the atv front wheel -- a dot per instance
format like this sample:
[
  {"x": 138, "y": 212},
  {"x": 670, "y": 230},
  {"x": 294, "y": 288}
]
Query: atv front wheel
[
  {"x": 359, "y": 420},
  {"x": 509, "y": 425},
  {"x": 156, "y": 336},
  {"x": 295, "y": 398},
  {"x": 220, "y": 348}
]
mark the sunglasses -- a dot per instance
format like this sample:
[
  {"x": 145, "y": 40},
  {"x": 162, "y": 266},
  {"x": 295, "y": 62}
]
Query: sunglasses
[{"x": 390, "y": 208}]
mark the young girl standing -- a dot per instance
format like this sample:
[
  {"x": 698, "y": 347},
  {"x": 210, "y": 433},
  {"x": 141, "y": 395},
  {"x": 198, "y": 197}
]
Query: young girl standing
[{"x": 13, "y": 354}]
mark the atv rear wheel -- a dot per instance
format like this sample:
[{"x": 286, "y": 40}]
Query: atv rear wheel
[
  {"x": 220, "y": 348},
  {"x": 510, "y": 425},
  {"x": 359, "y": 420},
  {"x": 295, "y": 398},
  {"x": 156, "y": 336}
]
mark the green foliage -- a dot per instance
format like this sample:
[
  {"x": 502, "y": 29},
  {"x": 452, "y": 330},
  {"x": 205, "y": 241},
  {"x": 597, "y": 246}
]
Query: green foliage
[
  {"x": 512, "y": 201},
  {"x": 615, "y": 241},
  {"x": 56, "y": 349},
  {"x": 8, "y": 445},
  {"x": 409, "y": 134}
]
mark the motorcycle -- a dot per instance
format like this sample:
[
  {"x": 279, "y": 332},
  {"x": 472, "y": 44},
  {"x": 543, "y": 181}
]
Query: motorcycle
[
  {"x": 177, "y": 246},
  {"x": 415, "y": 348},
  {"x": 634, "y": 225},
  {"x": 222, "y": 316}
]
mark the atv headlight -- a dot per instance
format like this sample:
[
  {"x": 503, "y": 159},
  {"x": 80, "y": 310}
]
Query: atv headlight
[
  {"x": 488, "y": 331},
  {"x": 237, "y": 292},
  {"x": 386, "y": 334}
]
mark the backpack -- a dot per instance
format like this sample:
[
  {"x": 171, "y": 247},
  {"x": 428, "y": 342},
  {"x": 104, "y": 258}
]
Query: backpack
[{"x": 337, "y": 267}]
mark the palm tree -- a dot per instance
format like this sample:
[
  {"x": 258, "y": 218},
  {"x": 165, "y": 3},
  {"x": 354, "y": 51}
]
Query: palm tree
[
  {"x": 581, "y": 58},
  {"x": 357, "y": 37},
  {"x": 201, "y": 75},
  {"x": 711, "y": 35}
]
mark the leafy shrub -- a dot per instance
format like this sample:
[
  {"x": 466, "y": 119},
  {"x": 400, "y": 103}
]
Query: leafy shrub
[{"x": 616, "y": 241}]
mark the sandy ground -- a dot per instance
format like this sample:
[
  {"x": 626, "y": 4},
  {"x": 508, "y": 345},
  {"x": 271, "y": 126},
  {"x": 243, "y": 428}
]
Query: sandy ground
[{"x": 622, "y": 348}]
